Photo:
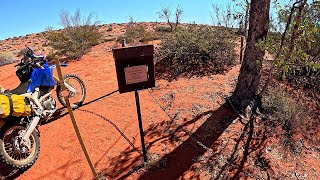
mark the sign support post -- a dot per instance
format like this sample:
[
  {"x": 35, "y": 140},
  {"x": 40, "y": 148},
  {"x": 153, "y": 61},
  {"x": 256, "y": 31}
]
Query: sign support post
[
  {"x": 135, "y": 71},
  {"x": 145, "y": 158}
]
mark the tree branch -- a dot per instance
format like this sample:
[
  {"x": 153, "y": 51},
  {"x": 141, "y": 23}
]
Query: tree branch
[{"x": 292, "y": 44}]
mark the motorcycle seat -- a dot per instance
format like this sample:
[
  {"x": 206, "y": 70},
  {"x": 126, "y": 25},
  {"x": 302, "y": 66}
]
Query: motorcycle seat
[{"x": 21, "y": 89}]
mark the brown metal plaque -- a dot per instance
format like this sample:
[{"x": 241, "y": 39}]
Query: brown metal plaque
[{"x": 135, "y": 67}]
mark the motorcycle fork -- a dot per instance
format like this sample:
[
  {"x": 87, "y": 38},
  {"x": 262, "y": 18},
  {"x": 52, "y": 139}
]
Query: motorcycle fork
[
  {"x": 32, "y": 126},
  {"x": 35, "y": 120}
]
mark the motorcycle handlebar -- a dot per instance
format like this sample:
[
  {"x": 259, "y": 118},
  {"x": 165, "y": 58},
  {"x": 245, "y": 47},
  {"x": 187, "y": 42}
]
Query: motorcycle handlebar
[
  {"x": 17, "y": 65},
  {"x": 37, "y": 65},
  {"x": 36, "y": 61},
  {"x": 30, "y": 53}
]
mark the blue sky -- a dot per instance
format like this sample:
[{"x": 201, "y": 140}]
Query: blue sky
[{"x": 21, "y": 17}]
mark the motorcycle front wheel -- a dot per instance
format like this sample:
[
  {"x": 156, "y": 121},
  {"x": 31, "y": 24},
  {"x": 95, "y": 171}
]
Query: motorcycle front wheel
[
  {"x": 77, "y": 94},
  {"x": 16, "y": 153}
]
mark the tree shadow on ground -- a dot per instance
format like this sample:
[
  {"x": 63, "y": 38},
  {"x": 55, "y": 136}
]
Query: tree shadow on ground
[
  {"x": 183, "y": 157},
  {"x": 61, "y": 111},
  {"x": 131, "y": 149},
  {"x": 242, "y": 157},
  {"x": 116, "y": 127},
  {"x": 164, "y": 133},
  {"x": 251, "y": 141},
  {"x": 180, "y": 152},
  {"x": 173, "y": 164}
]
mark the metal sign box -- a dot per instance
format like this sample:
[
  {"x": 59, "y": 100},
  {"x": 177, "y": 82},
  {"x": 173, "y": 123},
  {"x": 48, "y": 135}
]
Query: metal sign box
[{"x": 134, "y": 67}]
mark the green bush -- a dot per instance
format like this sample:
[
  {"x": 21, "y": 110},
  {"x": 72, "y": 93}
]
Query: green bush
[
  {"x": 74, "y": 41},
  {"x": 77, "y": 37},
  {"x": 306, "y": 76},
  {"x": 195, "y": 50},
  {"x": 6, "y": 58},
  {"x": 301, "y": 66}
]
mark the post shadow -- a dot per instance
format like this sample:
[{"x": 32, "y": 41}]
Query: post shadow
[{"x": 60, "y": 112}]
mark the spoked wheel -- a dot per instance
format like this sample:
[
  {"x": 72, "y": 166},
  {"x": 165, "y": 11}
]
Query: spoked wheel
[
  {"x": 16, "y": 152},
  {"x": 76, "y": 89}
]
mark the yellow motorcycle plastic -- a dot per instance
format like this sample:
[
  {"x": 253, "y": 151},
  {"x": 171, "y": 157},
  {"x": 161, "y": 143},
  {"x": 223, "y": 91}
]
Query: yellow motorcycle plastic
[{"x": 13, "y": 105}]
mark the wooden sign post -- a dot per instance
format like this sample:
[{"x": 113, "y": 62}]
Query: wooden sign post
[
  {"x": 135, "y": 71},
  {"x": 73, "y": 120},
  {"x": 1, "y": 89}
]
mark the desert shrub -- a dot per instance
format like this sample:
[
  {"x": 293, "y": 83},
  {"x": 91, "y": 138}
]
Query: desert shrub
[
  {"x": 6, "y": 58},
  {"x": 45, "y": 44},
  {"x": 109, "y": 28},
  {"x": 121, "y": 37},
  {"x": 22, "y": 52},
  {"x": 162, "y": 29},
  {"x": 51, "y": 56},
  {"x": 78, "y": 35},
  {"x": 287, "y": 112},
  {"x": 135, "y": 30},
  {"x": 195, "y": 50},
  {"x": 148, "y": 36},
  {"x": 110, "y": 38},
  {"x": 134, "y": 33},
  {"x": 279, "y": 104}
]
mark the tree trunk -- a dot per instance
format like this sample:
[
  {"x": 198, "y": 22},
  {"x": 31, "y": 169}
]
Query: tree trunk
[{"x": 250, "y": 72}]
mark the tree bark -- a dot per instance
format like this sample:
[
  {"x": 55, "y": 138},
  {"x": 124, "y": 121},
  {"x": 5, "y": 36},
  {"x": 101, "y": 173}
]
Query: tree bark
[
  {"x": 246, "y": 20},
  {"x": 250, "y": 72}
]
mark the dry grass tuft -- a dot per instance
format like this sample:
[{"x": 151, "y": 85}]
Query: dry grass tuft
[{"x": 7, "y": 58}]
